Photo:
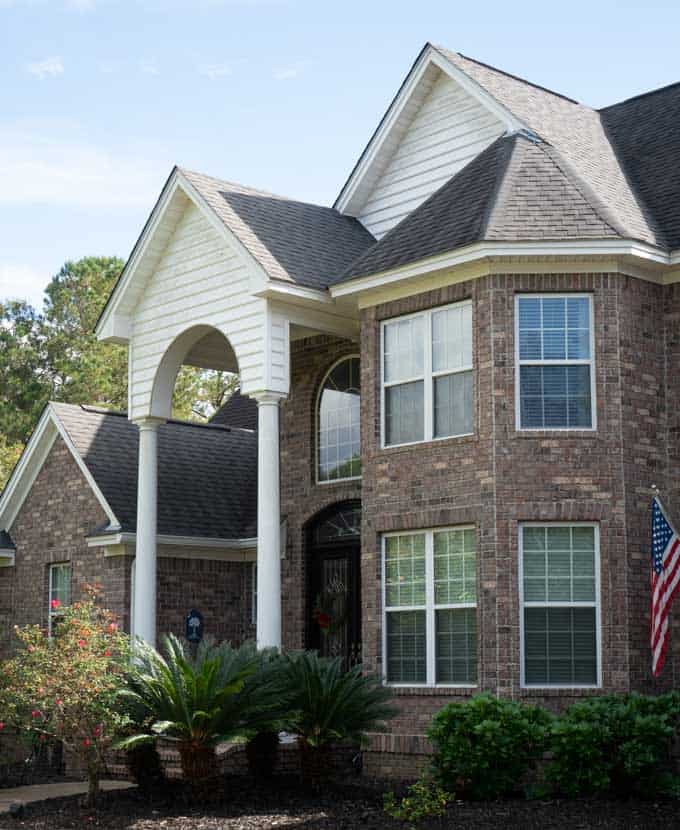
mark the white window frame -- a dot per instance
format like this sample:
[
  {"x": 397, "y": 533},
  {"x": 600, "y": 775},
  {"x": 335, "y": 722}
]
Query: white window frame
[
  {"x": 430, "y": 608},
  {"x": 561, "y": 604},
  {"x": 51, "y": 614},
  {"x": 317, "y": 422},
  {"x": 428, "y": 376},
  {"x": 566, "y": 362}
]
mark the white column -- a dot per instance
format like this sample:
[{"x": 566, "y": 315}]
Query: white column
[
  {"x": 268, "y": 522},
  {"x": 144, "y": 610}
]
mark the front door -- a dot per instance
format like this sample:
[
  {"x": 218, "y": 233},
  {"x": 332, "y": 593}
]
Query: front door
[{"x": 334, "y": 586}]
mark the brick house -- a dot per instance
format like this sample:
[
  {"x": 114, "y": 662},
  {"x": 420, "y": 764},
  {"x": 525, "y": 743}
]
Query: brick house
[{"x": 465, "y": 390}]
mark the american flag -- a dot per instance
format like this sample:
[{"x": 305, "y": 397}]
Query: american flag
[{"x": 665, "y": 581}]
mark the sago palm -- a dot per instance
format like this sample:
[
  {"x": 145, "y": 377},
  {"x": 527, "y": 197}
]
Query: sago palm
[
  {"x": 330, "y": 706},
  {"x": 199, "y": 702}
]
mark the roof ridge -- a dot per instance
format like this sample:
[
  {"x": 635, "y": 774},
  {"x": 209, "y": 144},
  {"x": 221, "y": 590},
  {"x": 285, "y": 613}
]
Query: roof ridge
[
  {"x": 600, "y": 208},
  {"x": 254, "y": 190},
  {"x": 510, "y": 75},
  {"x": 647, "y": 94},
  {"x": 498, "y": 191},
  {"x": 117, "y": 413}
]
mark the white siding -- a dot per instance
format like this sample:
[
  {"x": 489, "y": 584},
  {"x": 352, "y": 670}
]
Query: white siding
[
  {"x": 449, "y": 129},
  {"x": 199, "y": 280}
]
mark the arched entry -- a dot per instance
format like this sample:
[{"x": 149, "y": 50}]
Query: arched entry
[{"x": 334, "y": 582}]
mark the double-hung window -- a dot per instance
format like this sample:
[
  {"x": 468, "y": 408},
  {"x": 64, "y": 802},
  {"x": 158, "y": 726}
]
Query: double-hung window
[
  {"x": 555, "y": 374},
  {"x": 559, "y": 589},
  {"x": 430, "y": 607},
  {"x": 59, "y": 594},
  {"x": 427, "y": 375}
]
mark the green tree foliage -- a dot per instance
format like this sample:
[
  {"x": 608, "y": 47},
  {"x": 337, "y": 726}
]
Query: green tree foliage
[{"x": 55, "y": 355}]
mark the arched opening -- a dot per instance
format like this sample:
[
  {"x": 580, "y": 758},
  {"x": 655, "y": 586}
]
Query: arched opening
[
  {"x": 334, "y": 582},
  {"x": 201, "y": 347},
  {"x": 338, "y": 438}
]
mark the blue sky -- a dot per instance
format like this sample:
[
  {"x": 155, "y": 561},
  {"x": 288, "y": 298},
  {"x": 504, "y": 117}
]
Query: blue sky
[{"x": 99, "y": 98}]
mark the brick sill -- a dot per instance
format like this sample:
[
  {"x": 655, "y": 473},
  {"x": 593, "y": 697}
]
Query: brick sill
[
  {"x": 433, "y": 691},
  {"x": 556, "y": 435},
  {"x": 418, "y": 446}
]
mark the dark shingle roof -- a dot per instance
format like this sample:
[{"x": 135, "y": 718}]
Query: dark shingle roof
[
  {"x": 577, "y": 132},
  {"x": 645, "y": 134},
  {"x": 238, "y": 411},
  {"x": 293, "y": 241},
  {"x": 516, "y": 189},
  {"x": 207, "y": 474},
  {"x": 6, "y": 542}
]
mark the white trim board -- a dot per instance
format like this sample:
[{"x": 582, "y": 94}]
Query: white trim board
[
  {"x": 653, "y": 258},
  {"x": 32, "y": 459}
]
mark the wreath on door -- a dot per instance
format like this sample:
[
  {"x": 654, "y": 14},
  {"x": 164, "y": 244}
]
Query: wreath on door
[{"x": 330, "y": 608}]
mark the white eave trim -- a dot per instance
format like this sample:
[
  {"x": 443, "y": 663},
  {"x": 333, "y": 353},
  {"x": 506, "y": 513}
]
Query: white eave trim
[
  {"x": 485, "y": 250},
  {"x": 121, "y": 538},
  {"x": 116, "y": 326},
  {"x": 31, "y": 462},
  {"x": 429, "y": 56}
]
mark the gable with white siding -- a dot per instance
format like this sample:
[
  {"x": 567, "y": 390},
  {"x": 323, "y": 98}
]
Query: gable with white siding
[
  {"x": 200, "y": 280},
  {"x": 448, "y": 130}
]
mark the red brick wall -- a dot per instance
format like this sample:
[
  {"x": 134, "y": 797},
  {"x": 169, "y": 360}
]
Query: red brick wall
[
  {"x": 59, "y": 512},
  {"x": 221, "y": 591},
  {"x": 499, "y": 477},
  {"x": 301, "y": 497}
]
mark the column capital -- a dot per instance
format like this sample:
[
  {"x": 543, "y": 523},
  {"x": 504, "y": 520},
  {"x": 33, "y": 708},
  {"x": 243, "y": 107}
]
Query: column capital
[
  {"x": 148, "y": 422},
  {"x": 268, "y": 398}
]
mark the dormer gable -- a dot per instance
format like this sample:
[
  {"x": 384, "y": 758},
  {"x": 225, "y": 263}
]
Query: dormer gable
[{"x": 438, "y": 122}]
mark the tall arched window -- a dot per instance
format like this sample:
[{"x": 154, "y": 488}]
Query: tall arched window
[{"x": 339, "y": 455}]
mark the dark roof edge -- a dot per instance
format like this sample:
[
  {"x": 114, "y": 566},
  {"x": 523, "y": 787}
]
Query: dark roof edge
[
  {"x": 6, "y": 543},
  {"x": 117, "y": 413},
  {"x": 516, "y": 77},
  {"x": 647, "y": 94}
]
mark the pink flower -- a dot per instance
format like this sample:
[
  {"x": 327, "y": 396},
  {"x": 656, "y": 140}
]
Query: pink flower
[
  {"x": 86, "y": 742},
  {"x": 35, "y": 713},
  {"x": 107, "y": 653},
  {"x": 58, "y": 701},
  {"x": 81, "y": 643},
  {"x": 113, "y": 627},
  {"x": 55, "y": 604},
  {"x": 31, "y": 649},
  {"x": 2, "y": 725},
  {"x": 97, "y": 731}
]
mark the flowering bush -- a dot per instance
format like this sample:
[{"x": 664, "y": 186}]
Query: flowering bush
[{"x": 65, "y": 687}]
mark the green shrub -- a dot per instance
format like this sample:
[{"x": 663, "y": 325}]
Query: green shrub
[
  {"x": 200, "y": 701},
  {"x": 617, "y": 744},
  {"x": 424, "y": 800},
  {"x": 329, "y": 705},
  {"x": 484, "y": 746}
]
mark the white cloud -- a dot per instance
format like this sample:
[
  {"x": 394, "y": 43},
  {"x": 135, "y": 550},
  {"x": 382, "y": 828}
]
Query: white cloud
[
  {"x": 18, "y": 281},
  {"x": 149, "y": 68},
  {"x": 287, "y": 73},
  {"x": 51, "y": 162},
  {"x": 48, "y": 68},
  {"x": 214, "y": 71}
]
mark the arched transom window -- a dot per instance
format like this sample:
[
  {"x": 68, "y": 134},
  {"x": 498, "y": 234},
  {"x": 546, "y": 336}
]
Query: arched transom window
[{"x": 338, "y": 422}]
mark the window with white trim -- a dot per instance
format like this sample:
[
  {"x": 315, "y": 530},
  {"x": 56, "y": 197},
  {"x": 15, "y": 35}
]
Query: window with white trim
[
  {"x": 559, "y": 590},
  {"x": 427, "y": 375},
  {"x": 555, "y": 375},
  {"x": 338, "y": 437},
  {"x": 430, "y": 607},
  {"x": 59, "y": 594}
]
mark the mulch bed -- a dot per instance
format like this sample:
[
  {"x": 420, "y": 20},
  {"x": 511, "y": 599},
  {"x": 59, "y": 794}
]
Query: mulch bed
[{"x": 281, "y": 805}]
